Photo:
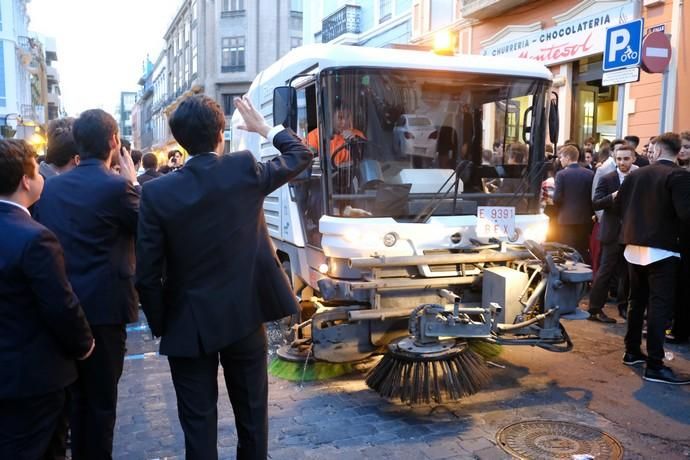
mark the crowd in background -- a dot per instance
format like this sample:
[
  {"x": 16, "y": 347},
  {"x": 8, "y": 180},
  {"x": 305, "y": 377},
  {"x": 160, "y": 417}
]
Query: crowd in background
[{"x": 625, "y": 209}]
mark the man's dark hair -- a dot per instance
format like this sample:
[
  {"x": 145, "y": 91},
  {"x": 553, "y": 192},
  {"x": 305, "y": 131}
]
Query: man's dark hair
[
  {"x": 149, "y": 161},
  {"x": 670, "y": 143},
  {"x": 17, "y": 159},
  {"x": 196, "y": 123},
  {"x": 173, "y": 152},
  {"x": 126, "y": 144},
  {"x": 590, "y": 140},
  {"x": 518, "y": 152},
  {"x": 92, "y": 133},
  {"x": 136, "y": 157},
  {"x": 633, "y": 140},
  {"x": 61, "y": 146},
  {"x": 616, "y": 142}
]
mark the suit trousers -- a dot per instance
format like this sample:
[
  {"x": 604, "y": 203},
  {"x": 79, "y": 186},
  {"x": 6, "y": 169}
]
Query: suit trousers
[
  {"x": 27, "y": 425},
  {"x": 577, "y": 236},
  {"x": 246, "y": 379},
  {"x": 681, "y": 315},
  {"x": 655, "y": 285},
  {"x": 94, "y": 395},
  {"x": 613, "y": 265}
]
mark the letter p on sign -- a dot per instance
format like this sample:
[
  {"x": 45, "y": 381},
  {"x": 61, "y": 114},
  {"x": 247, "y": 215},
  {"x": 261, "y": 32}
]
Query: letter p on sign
[{"x": 619, "y": 41}]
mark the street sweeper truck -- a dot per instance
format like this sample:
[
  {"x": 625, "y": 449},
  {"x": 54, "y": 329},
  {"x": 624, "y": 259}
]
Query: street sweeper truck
[{"x": 417, "y": 230}]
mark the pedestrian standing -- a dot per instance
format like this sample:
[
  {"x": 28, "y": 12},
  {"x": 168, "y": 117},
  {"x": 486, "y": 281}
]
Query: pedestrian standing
[
  {"x": 572, "y": 195},
  {"x": 93, "y": 212},
  {"x": 653, "y": 202},
  {"x": 42, "y": 326},
  {"x": 207, "y": 273},
  {"x": 613, "y": 265}
]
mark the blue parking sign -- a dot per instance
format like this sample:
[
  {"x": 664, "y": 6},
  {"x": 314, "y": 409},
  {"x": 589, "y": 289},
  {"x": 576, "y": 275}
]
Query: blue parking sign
[{"x": 623, "y": 45}]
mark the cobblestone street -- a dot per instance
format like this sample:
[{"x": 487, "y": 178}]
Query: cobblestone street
[{"x": 343, "y": 419}]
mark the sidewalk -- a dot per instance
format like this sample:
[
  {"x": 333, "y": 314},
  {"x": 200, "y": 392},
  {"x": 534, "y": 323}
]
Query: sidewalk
[{"x": 343, "y": 419}]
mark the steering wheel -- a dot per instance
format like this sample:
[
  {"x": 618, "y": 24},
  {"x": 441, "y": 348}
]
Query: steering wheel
[{"x": 354, "y": 140}]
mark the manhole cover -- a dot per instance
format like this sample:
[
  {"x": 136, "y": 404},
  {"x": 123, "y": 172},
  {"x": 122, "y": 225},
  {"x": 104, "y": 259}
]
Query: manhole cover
[{"x": 544, "y": 439}]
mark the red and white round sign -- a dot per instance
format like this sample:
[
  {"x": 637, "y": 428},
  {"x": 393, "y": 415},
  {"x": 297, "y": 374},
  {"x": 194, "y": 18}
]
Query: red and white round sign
[{"x": 656, "y": 52}]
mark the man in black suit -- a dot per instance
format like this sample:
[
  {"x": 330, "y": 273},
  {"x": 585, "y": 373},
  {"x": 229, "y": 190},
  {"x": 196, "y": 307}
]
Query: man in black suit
[
  {"x": 612, "y": 260},
  {"x": 150, "y": 163},
  {"x": 653, "y": 201},
  {"x": 634, "y": 142},
  {"x": 207, "y": 273},
  {"x": 93, "y": 212},
  {"x": 572, "y": 195},
  {"x": 42, "y": 326}
]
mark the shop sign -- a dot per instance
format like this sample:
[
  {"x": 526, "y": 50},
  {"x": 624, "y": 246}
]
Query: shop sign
[{"x": 568, "y": 41}]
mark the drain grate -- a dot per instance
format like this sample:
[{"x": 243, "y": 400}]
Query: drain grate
[{"x": 544, "y": 439}]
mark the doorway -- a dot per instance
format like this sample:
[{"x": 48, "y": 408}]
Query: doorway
[{"x": 594, "y": 109}]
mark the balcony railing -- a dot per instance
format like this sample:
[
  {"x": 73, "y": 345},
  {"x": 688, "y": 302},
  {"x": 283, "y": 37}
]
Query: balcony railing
[
  {"x": 345, "y": 20},
  {"x": 481, "y": 9}
]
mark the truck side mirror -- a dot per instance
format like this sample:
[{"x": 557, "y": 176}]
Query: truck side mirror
[
  {"x": 553, "y": 118},
  {"x": 285, "y": 107}
]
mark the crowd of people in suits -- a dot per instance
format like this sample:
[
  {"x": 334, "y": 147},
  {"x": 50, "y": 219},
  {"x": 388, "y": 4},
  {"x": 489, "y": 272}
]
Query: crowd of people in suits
[
  {"x": 203, "y": 271},
  {"x": 628, "y": 216}
]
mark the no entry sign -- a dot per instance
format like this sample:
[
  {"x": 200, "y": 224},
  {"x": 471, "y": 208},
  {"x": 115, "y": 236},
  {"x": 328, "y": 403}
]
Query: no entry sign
[{"x": 656, "y": 52}]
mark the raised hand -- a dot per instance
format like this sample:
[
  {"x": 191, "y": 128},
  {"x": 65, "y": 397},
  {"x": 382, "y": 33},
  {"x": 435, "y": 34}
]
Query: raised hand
[{"x": 253, "y": 120}]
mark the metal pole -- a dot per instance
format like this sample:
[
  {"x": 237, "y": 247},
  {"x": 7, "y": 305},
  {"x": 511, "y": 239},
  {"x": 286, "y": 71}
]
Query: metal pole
[
  {"x": 662, "y": 107},
  {"x": 621, "y": 112}
]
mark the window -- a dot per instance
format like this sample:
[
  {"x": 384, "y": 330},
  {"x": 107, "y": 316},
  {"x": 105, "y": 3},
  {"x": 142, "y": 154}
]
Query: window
[
  {"x": 232, "y": 54},
  {"x": 296, "y": 5},
  {"x": 385, "y": 10},
  {"x": 228, "y": 104},
  {"x": 295, "y": 42},
  {"x": 195, "y": 12},
  {"x": 233, "y": 5},
  {"x": 194, "y": 50}
]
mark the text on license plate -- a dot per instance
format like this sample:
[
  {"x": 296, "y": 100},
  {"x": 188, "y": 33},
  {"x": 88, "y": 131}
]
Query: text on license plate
[{"x": 495, "y": 221}]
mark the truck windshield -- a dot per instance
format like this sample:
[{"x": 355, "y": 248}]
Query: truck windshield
[{"x": 409, "y": 143}]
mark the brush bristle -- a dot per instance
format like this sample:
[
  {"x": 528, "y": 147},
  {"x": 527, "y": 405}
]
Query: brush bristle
[
  {"x": 436, "y": 380},
  {"x": 297, "y": 372}
]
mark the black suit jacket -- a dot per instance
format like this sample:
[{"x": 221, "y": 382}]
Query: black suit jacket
[
  {"x": 42, "y": 326},
  {"x": 207, "y": 272},
  {"x": 94, "y": 212},
  {"x": 573, "y": 195},
  {"x": 653, "y": 203},
  {"x": 148, "y": 175},
  {"x": 610, "y": 225}
]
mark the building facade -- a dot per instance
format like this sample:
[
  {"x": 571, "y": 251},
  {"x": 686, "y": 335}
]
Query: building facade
[
  {"x": 19, "y": 57},
  {"x": 568, "y": 36},
  {"x": 218, "y": 47},
  {"x": 376, "y": 23},
  {"x": 128, "y": 100}
]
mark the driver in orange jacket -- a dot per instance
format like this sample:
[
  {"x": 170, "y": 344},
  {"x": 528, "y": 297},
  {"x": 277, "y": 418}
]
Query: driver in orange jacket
[{"x": 343, "y": 133}]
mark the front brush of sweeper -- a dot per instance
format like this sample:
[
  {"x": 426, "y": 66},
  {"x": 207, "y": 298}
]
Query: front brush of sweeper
[
  {"x": 423, "y": 368},
  {"x": 428, "y": 373}
]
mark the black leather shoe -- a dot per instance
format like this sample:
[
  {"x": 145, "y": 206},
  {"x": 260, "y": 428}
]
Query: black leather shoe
[
  {"x": 670, "y": 338},
  {"x": 601, "y": 317},
  {"x": 630, "y": 359},
  {"x": 665, "y": 375}
]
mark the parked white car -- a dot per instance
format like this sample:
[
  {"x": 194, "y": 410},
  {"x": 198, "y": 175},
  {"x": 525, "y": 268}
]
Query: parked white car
[{"x": 415, "y": 135}]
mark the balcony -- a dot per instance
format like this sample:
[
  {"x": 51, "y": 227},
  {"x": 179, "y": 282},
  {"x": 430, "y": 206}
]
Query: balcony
[
  {"x": 482, "y": 9},
  {"x": 345, "y": 20},
  {"x": 53, "y": 75}
]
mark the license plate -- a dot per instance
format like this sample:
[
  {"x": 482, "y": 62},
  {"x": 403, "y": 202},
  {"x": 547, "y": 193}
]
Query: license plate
[{"x": 495, "y": 221}]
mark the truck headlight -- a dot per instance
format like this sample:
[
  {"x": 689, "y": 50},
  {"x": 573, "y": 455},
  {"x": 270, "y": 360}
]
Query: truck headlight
[{"x": 536, "y": 232}]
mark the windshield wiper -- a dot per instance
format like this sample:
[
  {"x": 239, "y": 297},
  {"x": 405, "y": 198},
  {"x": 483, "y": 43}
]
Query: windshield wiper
[{"x": 435, "y": 202}]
